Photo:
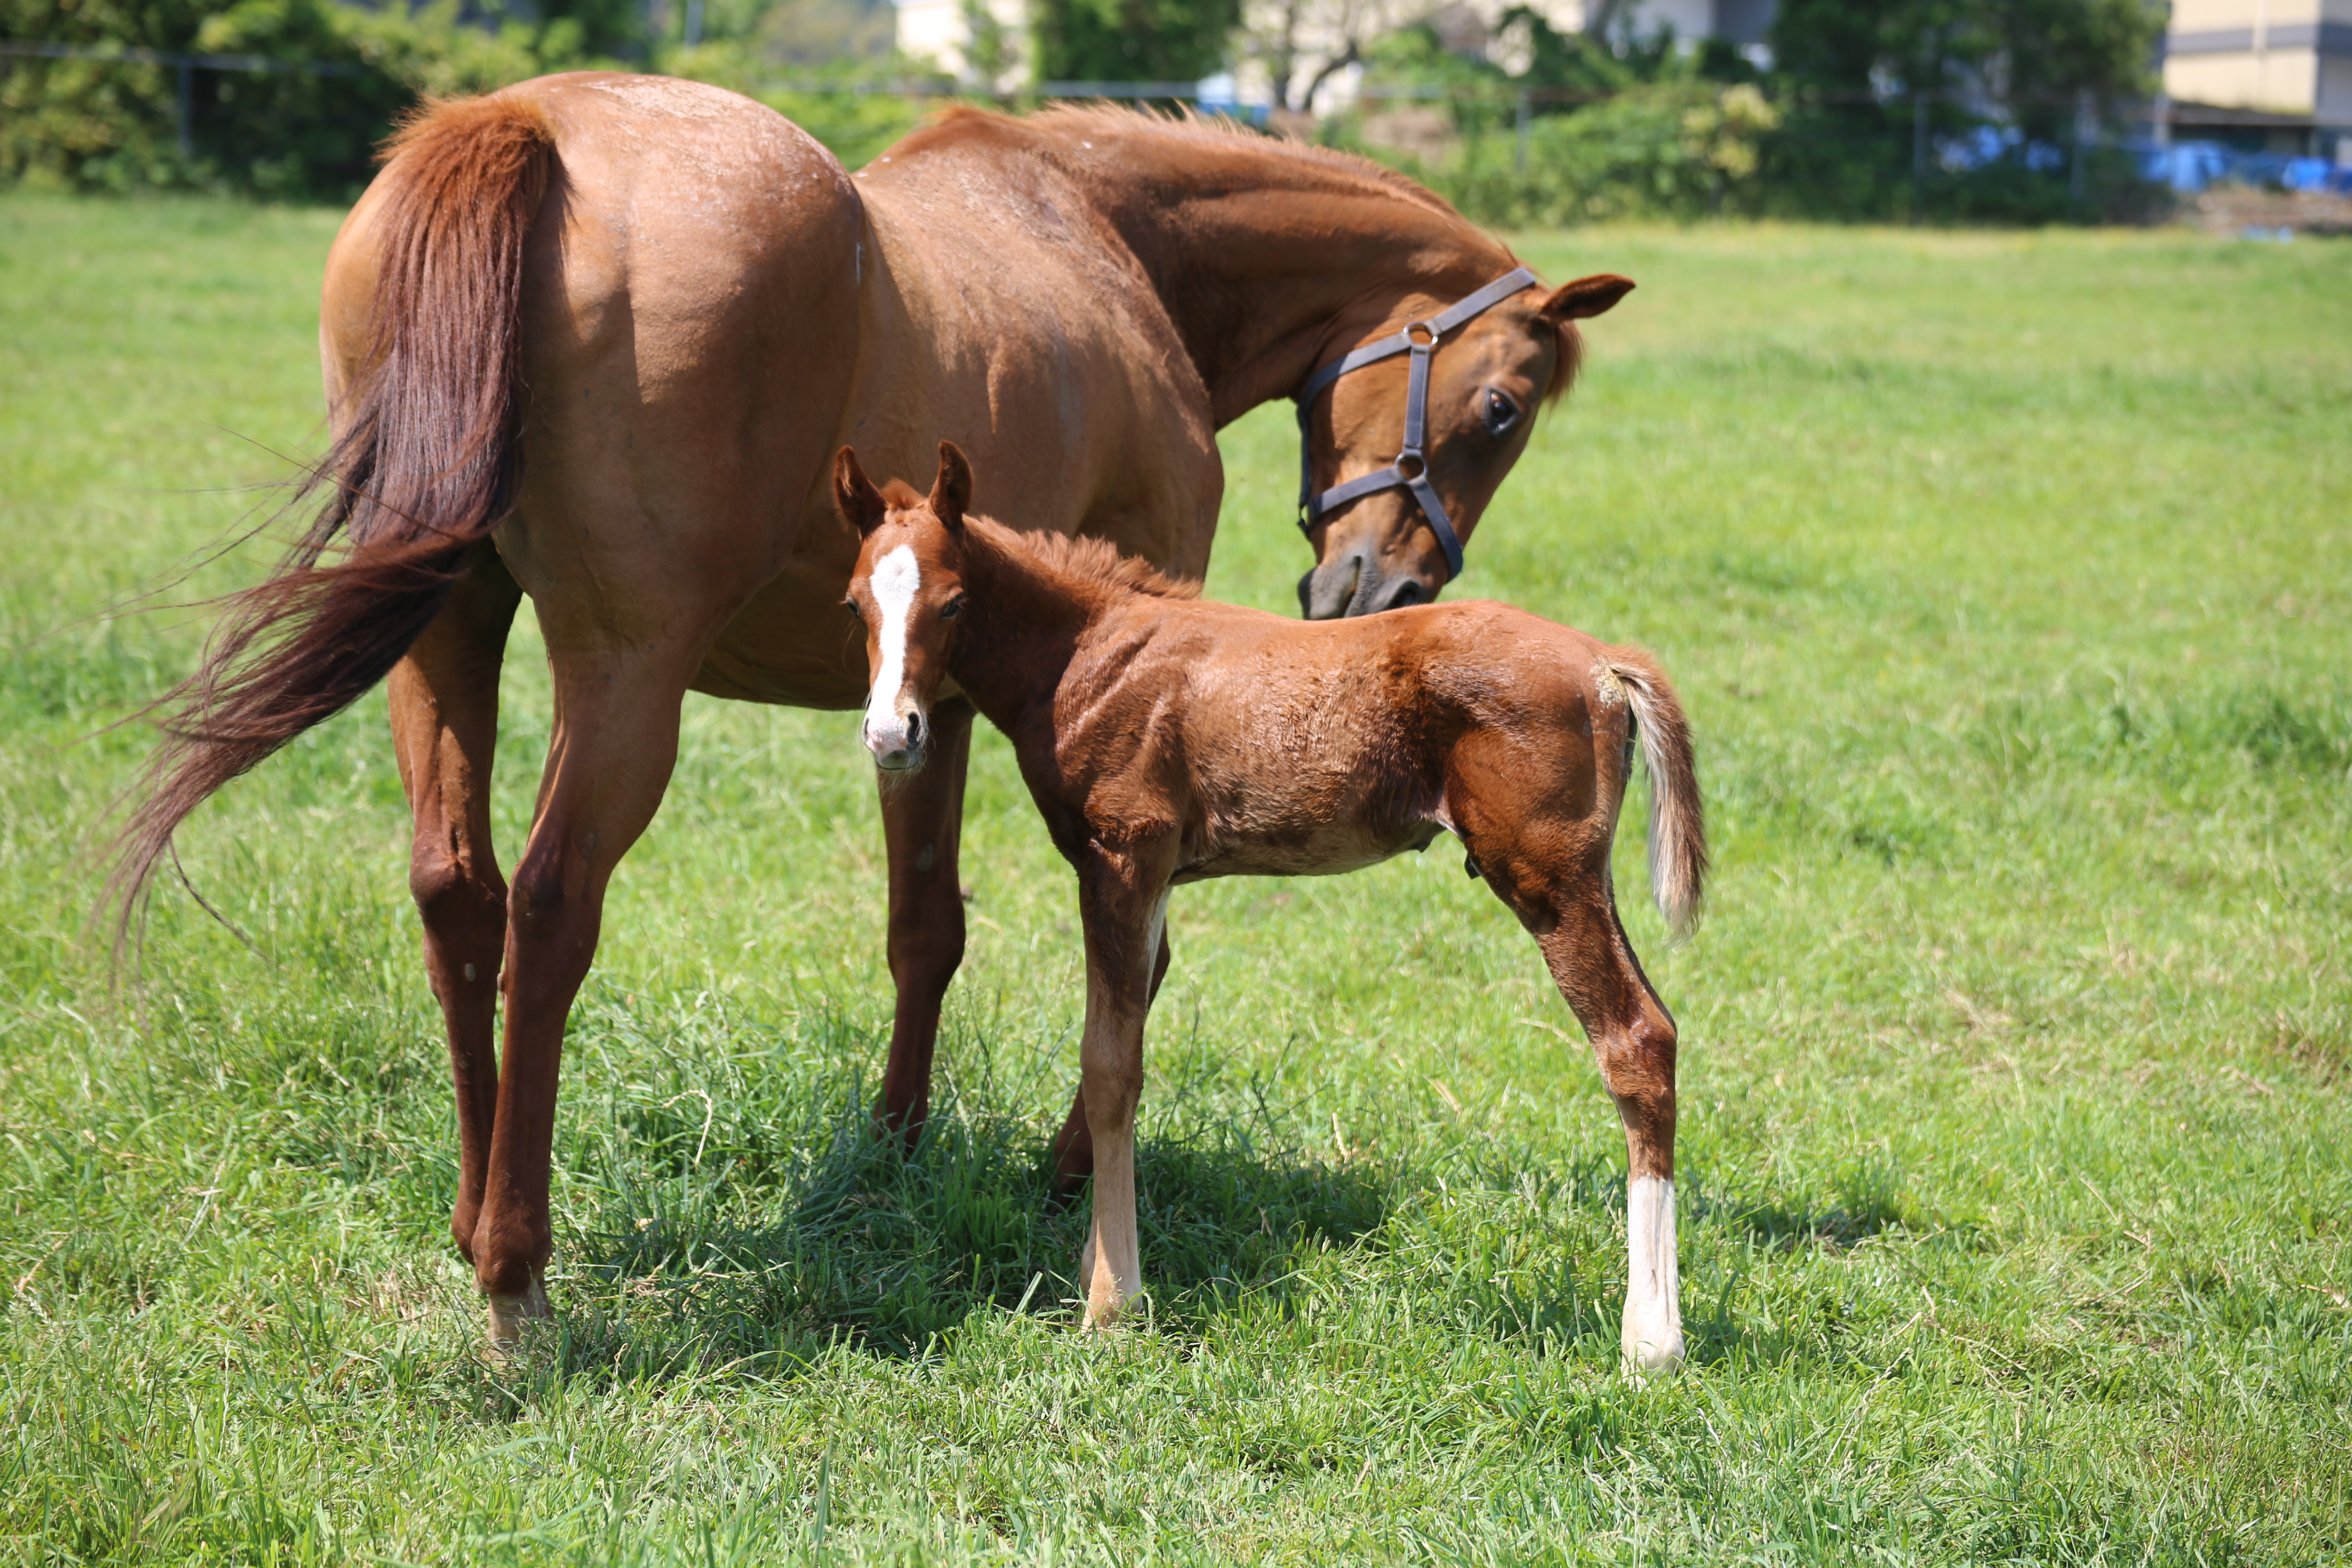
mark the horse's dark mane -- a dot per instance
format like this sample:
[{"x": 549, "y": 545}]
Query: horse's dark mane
[
  {"x": 1322, "y": 169},
  {"x": 1095, "y": 562},
  {"x": 1070, "y": 123},
  {"x": 1067, "y": 121}
]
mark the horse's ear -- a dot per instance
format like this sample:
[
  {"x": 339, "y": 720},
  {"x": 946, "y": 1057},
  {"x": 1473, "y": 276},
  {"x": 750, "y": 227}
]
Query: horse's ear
[
  {"x": 1585, "y": 297},
  {"x": 861, "y": 504},
  {"x": 951, "y": 491}
]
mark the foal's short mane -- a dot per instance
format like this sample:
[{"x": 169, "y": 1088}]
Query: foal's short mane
[{"x": 1093, "y": 561}]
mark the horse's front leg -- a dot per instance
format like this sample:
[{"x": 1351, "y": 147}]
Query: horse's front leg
[
  {"x": 922, "y": 824},
  {"x": 1123, "y": 903}
]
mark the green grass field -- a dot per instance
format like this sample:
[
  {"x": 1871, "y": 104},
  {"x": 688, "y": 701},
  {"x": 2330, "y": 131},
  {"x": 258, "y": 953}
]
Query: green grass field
[{"x": 2006, "y": 580}]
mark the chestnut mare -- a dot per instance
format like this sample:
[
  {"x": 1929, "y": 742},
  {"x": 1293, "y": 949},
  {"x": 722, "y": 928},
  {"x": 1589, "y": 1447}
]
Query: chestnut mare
[
  {"x": 595, "y": 339},
  {"x": 1168, "y": 741}
]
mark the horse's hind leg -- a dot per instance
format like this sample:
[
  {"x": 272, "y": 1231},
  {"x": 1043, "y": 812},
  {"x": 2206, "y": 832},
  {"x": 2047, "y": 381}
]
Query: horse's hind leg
[
  {"x": 608, "y": 763},
  {"x": 445, "y": 720},
  {"x": 922, "y": 823}
]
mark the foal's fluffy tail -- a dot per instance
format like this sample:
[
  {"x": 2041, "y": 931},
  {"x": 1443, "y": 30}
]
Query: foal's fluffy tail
[
  {"x": 1677, "y": 824},
  {"x": 424, "y": 466}
]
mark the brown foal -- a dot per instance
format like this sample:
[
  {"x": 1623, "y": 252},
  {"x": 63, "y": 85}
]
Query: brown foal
[{"x": 1167, "y": 741}]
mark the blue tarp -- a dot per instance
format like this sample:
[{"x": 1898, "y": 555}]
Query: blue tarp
[{"x": 2192, "y": 166}]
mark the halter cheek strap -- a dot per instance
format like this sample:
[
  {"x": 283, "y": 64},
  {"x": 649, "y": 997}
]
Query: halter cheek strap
[{"x": 1410, "y": 469}]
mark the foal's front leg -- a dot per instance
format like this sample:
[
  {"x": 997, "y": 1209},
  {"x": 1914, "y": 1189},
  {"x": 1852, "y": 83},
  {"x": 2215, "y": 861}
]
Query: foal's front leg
[
  {"x": 1123, "y": 903},
  {"x": 922, "y": 823},
  {"x": 1074, "y": 1146}
]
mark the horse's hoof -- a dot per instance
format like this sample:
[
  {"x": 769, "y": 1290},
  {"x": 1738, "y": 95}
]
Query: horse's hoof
[
  {"x": 510, "y": 1315},
  {"x": 906, "y": 1131}
]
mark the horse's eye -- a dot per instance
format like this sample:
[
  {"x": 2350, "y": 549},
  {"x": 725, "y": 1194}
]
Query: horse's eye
[
  {"x": 855, "y": 613},
  {"x": 1501, "y": 414},
  {"x": 952, "y": 608}
]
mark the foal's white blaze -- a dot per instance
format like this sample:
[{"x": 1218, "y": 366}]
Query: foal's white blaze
[
  {"x": 1654, "y": 1315},
  {"x": 897, "y": 577}
]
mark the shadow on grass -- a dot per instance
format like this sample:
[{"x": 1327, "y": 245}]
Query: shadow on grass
[{"x": 890, "y": 1251}]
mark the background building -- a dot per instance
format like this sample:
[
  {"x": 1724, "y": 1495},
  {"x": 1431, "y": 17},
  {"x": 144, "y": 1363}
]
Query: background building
[
  {"x": 1314, "y": 34},
  {"x": 2272, "y": 71}
]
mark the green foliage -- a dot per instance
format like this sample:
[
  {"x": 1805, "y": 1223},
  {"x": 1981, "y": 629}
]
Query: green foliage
[
  {"x": 990, "y": 49},
  {"x": 1665, "y": 149},
  {"x": 1131, "y": 40},
  {"x": 105, "y": 125},
  {"x": 1600, "y": 135},
  {"x": 854, "y": 125},
  {"x": 95, "y": 124},
  {"x": 2006, "y": 579}
]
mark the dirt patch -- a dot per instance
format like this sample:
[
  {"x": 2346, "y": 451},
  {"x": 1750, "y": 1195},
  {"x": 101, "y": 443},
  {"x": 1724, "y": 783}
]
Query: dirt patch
[{"x": 2233, "y": 209}]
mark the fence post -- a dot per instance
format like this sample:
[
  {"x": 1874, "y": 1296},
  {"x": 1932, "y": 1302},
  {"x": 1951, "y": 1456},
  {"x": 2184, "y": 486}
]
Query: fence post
[
  {"x": 187, "y": 106},
  {"x": 1519, "y": 147},
  {"x": 2077, "y": 178},
  {"x": 1919, "y": 157}
]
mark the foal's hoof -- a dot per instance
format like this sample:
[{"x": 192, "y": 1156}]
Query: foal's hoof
[
  {"x": 510, "y": 1315},
  {"x": 1646, "y": 1355}
]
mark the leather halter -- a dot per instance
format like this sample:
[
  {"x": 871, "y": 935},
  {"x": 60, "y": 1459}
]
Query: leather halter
[{"x": 1419, "y": 339}]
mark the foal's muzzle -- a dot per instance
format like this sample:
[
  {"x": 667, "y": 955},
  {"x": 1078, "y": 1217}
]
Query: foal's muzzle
[{"x": 896, "y": 744}]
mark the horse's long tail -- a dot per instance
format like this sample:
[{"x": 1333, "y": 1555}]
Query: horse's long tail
[
  {"x": 1677, "y": 823},
  {"x": 426, "y": 465}
]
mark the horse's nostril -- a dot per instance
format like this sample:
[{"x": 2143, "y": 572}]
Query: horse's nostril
[
  {"x": 914, "y": 729},
  {"x": 1410, "y": 594}
]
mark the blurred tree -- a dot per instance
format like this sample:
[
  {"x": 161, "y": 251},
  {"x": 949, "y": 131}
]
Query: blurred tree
[
  {"x": 989, "y": 50},
  {"x": 1132, "y": 40},
  {"x": 1876, "y": 86},
  {"x": 113, "y": 125},
  {"x": 809, "y": 32}
]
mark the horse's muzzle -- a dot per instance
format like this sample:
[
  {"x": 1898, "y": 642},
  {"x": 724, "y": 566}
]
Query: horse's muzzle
[{"x": 1355, "y": 584}]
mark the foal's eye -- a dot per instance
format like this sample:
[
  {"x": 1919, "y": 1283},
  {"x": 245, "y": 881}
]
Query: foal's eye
[
  {"x": 952, "y": 608},
  {"x": 1500, "y": 413},
  {"x": 855, "y": 613}
]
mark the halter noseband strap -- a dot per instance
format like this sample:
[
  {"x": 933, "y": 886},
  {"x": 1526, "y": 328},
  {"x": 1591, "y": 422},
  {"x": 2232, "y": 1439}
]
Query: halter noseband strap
[{"x": 1419, "y": 339}]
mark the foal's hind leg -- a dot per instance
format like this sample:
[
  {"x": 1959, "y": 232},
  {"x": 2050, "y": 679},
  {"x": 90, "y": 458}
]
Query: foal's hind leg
[
  {"x": 1634, "y": 1039},
  {"x": 1555, "y": 876},
  {"x": 922, "y": 823},
  {"x": 445, "y": 720}
]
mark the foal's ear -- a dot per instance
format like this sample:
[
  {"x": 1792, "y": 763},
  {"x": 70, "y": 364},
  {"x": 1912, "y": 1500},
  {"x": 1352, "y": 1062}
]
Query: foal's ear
[
  {"x": 1585, "y": 297},
  {"x": 951, "y": 491},
  {"x": 861, "y": 504}
]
